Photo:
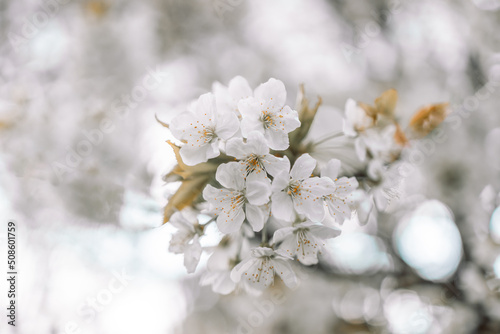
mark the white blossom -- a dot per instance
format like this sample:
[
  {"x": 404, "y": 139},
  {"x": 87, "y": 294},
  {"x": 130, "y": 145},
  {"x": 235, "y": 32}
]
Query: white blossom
[
  {"x": 220, "y": 264},
  {"x": 304, "y": 240},
  {"x": 267, "y": 113},
  {"x": 259, "y": 269},
  {"x": 241, "y": 198},
  {"x": 356, "y": 119},
  {"x": 339, "y": 198},
  {"x": 297, "y": 191},
  {"x": 186, "y": 239},
  {"x": 227, "y": 98},
  {"x": 201, "y": 130},
  {"x": 254, "y": 155}
]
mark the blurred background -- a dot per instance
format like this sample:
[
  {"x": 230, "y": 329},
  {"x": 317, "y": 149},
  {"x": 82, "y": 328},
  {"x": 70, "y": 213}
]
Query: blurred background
[{"x": 82, "y": 159}]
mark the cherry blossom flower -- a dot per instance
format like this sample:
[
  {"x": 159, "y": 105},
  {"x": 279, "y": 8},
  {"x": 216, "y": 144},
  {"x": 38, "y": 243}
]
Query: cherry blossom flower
[
  {"x": 267, "y": 113},
  {"x": 356, "y": 120},
  {"x": 254, "y": 155},
  {"x": 259, "y": 269},
  {"x": 304, "y": 240},
  {"x": 220, "y": 264},
  {"x": 186, "y": 239},
  {"x": 242, "y": 198},
  {"x": 227, "y": 98},
  {"x": 381, "y": 143},
  {"x": 201, "y": 129},
  {"x": 339, "y": 199},
  {"x": 298, "y": 191}
]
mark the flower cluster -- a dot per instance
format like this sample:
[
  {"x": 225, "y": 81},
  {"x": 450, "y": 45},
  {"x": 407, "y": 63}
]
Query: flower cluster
[{"x": 244, "y": 161}]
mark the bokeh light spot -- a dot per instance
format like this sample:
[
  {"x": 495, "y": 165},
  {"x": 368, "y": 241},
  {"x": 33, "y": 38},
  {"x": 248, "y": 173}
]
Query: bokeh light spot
[{"x": 429, "y": 241}]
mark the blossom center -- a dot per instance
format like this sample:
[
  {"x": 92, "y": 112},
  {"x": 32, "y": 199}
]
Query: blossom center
[
  {"x": 267, "y": 119},
  {"x": 264, "y": 272},
  {"x": 303, "y": 241},
  {"x": 293, "y": 189},
  {"x": 208, "y": 134},
  {"x": 237, "y": 201},
  {"x": 253, "y": 163}
]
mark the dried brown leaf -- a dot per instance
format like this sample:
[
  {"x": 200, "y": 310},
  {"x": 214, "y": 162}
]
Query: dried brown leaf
[
  {"x": 187, "y": 193},
  {"x": 194, "y": 179},
  {"x": 428, "y": 118},
  {"x": 400, "y": 137},
  {"x": 386, "y": 103}
]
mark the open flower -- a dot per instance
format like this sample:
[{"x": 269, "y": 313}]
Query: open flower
[
  {"x": 259, "y": 269},
  {"x": 186, "y": 239},
  {"x": 243, "y": 198},
  {"x": 267, "y": 113},
  {"x": 201, "y": 130},
  {"x": 357, "y": 119},
  {"x": 220, "y": 264},
  {"x": 254, "y": 155},
  {"x": 298, "y": 191},
  {"x": 304, "y": 240},
  {"x": 339, "y": 198},
  {"x": 357, "y": 122},
  {"x": 227, "y": 98}
]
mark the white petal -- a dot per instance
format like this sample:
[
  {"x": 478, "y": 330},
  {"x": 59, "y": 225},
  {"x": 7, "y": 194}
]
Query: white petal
[
  {"x": 256, "y": 216},
  {"x": 262, "y": 251},
  {"x": 350, "y": 109},
  {"x": 317, "y": 186},
  {"x": 205, "y": 106},
  {"x": 257, "y": 144},
  {"x": 192, "y": 255},
  {"x": 281, "y": 180},
  {"x": 290, "y": 119},
  {"x": 250, "y": 111},
  {"x": 277, "y": 140},
  {"x": 210, "y": 193},
  {"x": 180, "y": 222},
  {"x": 323, "y": 232},
  {"x": 282, "y": 206},
  {"x": 241, "y": 267},
  {"x": 303, "y": 167},
  {"x": 223, "y": 284},
  {"x": 227, "y": 125},
  {"x": 194, "y": 155},
  {"x": 312, "y": 208},
  {"x": 239, "y": 88},
  {"x": 346, "y": 185},
  {"x": 285, "y": 272},
  {"x": 360, "y": 147},
  {"x": 230, "y": 221},
  {"x": 282, "y": 233},
  {"x": 231, "y": 175},
  {"x": 309, "y": 257},
  {"x": 338, "y": 208},
  {"x": 363, "y": 205},
  {"x": 180, "y": 125},
  {"x": 258, "y": 190},
  {"x": 260, "y": 275},
  {"x": 275, "y": 165},
  {"x": 249, "y": 108},
  {"x": 289, "y": 244},
  {"x": 331, "y": 169},
  {"x": 235, "y": 147},
  {"x": 381, "y": 201},
  {"x": 179, "y": 241},
  {"x": 273, "y": 92},
  {"x": 348, "y": 129}
]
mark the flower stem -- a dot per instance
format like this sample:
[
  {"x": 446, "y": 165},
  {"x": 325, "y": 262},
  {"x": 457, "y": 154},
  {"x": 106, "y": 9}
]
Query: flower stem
[
  {"x": 335, "y": 135},
  {"x": 211, "y": 220},
  {"x": 264, "y": 234}
]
